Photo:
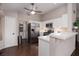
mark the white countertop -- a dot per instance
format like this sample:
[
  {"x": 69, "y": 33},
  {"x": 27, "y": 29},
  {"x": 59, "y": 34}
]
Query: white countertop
[
  {"x": 45, "y": 38},
  {"x": 61, "y": 36}
]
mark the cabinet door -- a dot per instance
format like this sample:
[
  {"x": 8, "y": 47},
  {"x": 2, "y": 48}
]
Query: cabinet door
[
  {"x": 61, "y": 21},
  {"x": 43, "y": 48}
]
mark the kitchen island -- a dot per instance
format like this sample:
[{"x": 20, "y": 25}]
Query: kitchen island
[{"x": 57, "y": 44}]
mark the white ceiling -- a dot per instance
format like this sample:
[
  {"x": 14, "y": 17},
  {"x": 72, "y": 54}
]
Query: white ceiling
[{"x": 44, "y": 7}]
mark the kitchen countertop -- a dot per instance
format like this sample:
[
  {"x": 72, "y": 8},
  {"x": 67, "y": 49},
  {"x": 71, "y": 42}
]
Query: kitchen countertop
[
  {"x": 61, "y": 36},
  {"x": 45, "y": 38}
]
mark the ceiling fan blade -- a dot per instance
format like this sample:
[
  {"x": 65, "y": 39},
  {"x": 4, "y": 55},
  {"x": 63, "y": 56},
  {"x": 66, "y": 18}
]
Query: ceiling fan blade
[
  {"x": 38, "y": 11},
  {"x": 28, "y": 13},
  {"x": 33, "y": 9},
  {"x": 27, "y": 9}
]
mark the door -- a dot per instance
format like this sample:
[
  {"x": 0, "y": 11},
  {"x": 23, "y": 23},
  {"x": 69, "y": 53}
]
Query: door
[
  {"x": 10, "y": 31},
  {"x": 0, "y": 30}
]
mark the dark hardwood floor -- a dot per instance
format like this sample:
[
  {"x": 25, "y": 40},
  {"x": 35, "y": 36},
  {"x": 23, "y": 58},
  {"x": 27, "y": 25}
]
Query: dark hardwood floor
[
  {"x": 21, "y": 50},
  {"x": 76, "y": 52}
]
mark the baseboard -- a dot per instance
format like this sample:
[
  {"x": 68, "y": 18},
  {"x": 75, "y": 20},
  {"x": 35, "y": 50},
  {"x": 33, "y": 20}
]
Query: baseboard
[
  {"x": 10, "y": 46},
  {"x": 1, "y": 45}
]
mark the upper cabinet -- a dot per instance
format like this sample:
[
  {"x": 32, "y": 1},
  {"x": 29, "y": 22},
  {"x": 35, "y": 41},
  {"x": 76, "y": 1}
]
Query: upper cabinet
[{"x": 61, "y": 21}]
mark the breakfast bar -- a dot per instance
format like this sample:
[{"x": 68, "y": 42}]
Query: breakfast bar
[{"x": 57, "y": 44}]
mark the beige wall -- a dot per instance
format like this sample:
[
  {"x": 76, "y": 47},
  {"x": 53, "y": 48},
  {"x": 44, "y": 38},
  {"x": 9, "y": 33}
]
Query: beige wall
[
  {"x": 3, "y": 38},
  {"x": 58, "y": 12},
  {"x": 71, "y": 7},
  {"x": 0, "y": 30}
]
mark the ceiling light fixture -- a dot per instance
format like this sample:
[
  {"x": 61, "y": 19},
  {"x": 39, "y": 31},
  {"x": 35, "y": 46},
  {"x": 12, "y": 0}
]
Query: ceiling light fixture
[
  {"x": 33, "y": 9},
  {"x": 33, "y": 12}
]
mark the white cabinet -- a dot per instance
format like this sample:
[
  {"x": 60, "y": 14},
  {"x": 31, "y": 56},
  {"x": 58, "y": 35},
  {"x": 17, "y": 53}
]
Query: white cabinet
[
  {"x": 46, "y": 47},
  {"x": 55, "y": 46},
  {"x": 61, "y": 21},
  {"x": 43, "y": 48}
]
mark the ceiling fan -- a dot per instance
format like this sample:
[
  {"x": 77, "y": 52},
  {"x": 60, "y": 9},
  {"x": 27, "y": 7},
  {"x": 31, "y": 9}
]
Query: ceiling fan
[{"x": 33, "y": 9}]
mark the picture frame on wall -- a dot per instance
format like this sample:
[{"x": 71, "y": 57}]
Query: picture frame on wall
[
  {"x": 49, "y": 25},
  {"x": 20, "y": 27},
  {"x": 35, "y": 24}
]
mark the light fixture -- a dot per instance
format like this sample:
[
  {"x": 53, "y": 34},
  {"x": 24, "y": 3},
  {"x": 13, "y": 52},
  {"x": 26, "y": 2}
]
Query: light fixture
[
  {"x": 33, "y": 12},
  {"x": 75, "y": 27}
]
